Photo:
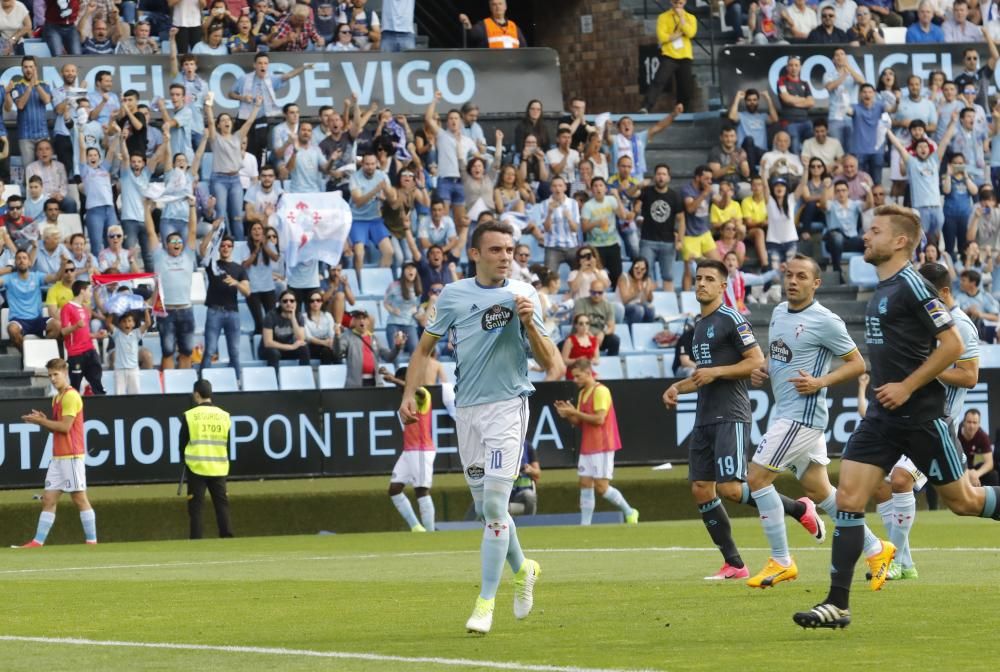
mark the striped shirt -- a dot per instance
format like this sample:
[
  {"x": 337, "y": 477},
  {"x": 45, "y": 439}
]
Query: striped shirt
[
  {"x": 31, "y": 124},
  {"x": 561, "y": 235},
  {"x": 954, "y": 398}
]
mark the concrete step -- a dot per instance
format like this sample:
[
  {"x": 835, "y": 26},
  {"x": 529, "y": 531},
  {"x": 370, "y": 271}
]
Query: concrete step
[{"x": 10, "y": 361}]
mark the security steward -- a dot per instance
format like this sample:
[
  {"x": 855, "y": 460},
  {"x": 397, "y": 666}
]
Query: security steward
[{"x": 205, "y": 437}]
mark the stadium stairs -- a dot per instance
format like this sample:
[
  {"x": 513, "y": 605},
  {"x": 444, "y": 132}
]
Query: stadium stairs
[{"x": 15, "y": 383}]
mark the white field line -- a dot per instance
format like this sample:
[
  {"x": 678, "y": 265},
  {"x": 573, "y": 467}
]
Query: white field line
[
  {"x": 417, "y": 554},
  {"x": 302, "y": 653}
]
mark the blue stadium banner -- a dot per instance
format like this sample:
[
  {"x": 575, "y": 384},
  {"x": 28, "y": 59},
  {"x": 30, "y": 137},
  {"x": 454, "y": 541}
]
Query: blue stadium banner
[
  {"x": 743, "y": 67},
  {"x": 496, "y": 80}
]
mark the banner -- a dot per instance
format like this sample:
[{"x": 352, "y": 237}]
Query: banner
[
  {"x": 313, "y": 226},
  {"x": 355, "y": 432},
  {"x": 496, "y": 79},
  {"x": 743, "y": 67}
]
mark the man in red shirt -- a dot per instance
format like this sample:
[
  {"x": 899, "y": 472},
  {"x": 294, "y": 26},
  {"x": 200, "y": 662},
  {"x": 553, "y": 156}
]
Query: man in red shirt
[
  {"x": 75, "y": 320},
  {"x": 976, "y": 443},
  {"x": 66, "y": 470}
]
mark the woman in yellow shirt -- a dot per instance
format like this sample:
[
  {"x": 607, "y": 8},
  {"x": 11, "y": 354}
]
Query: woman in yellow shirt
[{"x": 754, "y": 209}]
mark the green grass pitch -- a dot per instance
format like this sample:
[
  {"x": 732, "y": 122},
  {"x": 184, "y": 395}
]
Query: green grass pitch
[{"x": 609, "y": 598}]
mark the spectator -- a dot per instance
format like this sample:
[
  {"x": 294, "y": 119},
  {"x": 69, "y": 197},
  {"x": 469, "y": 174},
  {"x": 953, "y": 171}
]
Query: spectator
[
  {"x": 21, "y": 231},
  {"x": 599, "y": 227},
  {"x": 74, "y": 321},
  {"x": 402, "y": 299},
  {"x": 397, "y": 25},
  {"x": 882, "y": 10},
  {"x": 796, "y": 101},
  {"x": 866, "y": 30},
  {"x": 34, "y": 204},
  {"x": 30, "y": 96},
  {"x": 532, "y": 124},
  {"x": 511, "y": 194},
  {"x": 134, "y": 126},
  {"x": 661, "y": 214},
  {"x": 134, "y": 176},
  {"x": 453, "y": 148},
  {"x": 844, "y": 12},
  {"x": 780, "y": 162},
  {"x": 361, "y": 350},
  {"x": 675, "y": 28},
  {"x": 578, "y": 126},
  {"x": 958, "y": 189},
  {"x": 629, "y": 143},
  {"x": 478, "y": 182},
  {"x": 227, "y": 158},
  {"x": 635, "y": 291},
  {"x": 61, "y": 35},
  {"x": 782, "y": 233},
  {"x": 244, "y": 41},
  {"x": 800, "y": 20},
  {"x": 98, "y": 38},
  {"x": 115, "y": 258},
  {"x": 139, "y": 45},
  {"x": 184, "y": 71},
  {"x": 225, "y": 279},
  {"x": 214, "y": 43},
  {"x": 843, "y": 217},
  {"x": 969, "y": 142},
  {"x": 55, "y": 183},
  {"x": 563, "y": 159},
  {"x": 337, "y": 293},
  {"x": 338, "y": 150},
  {"x": 866, "y": 140},
  {"x": 64, "y": 106},
  {"x": 494, "y": 32},
  {"x": 15, "y": 23},
  {"x": 296, "y": 32},
  {"x": 602, "y": 317},
  {"x": 594, "y": 154},
  {"x": 971, "y": 259},
  {"x": 923, "y": 31},
  {"x": 104, "y": 102},
  {"x": 696, "y": 237},
  {"x": 842, "y": 85},
  {"x": 157, "y": 12},
  {"x": 858, "y": 181},
  {"x": 433, "y": 270},
  {"x": 283, "y": 338},
  {"x": 684, "y": 364},
  {"x": 968, "y": 98},
  {"x": 186, "y": 23},
  {"x": 343, "y": 39},
  {"x": 52, "y": 254},
  {"x": 729, "y": 163},
  {"x": 85, "y": 262},
  {"x": 364, "y": 24},
  {"x": 979, "y": 77},
  {"x": 984, "y": 225},
  {"x": 262, "y": 258},
  {"x": 524, "y": 494},
  {"x": 729, "y": 243},
  {"x": 175, "y": 264},
  {"x": 974, "y": 301},
  {"x": 126, "y": 337},
  {"x": 817, "y": 191},
  {"x": 823, "y": 148},
  {"x": 959, "y": 29},
  {"x": 306, "y": 165},
  {"x": 24, "y": 300},
  {"x": 878, "y": 199},
  {"x": 561, "y": 222},
  {"x": 440, "y": 231},
  {"x": 369, "y": 187},
  {"x": 976, "y": 443},
  {"x": 589, "y": 268},
  {"x": 766, "y": 23},
  {"x": 751, "y": 123},
  {"x": 580, "y": 344},
  {"x": 96, "y": 188},
  {"x": 320, "y": 329},
  {"x": 827, "y": 32}
]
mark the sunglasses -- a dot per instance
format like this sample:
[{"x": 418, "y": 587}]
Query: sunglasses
[
  {"x": 112, "y": 236},
  {"x": 288, "y": 300},
  {"x": 588, "y": 255},
  {"x": 175, "y": 241},
  {"x": 13, "y": 207},
  {"x": 596, "y": 292},
  {"x": 316, "y": 300},
  {"x": 343, "y": 32},
  {"x": 435, "y": 291},
  {"x": 225, "y": 245}
]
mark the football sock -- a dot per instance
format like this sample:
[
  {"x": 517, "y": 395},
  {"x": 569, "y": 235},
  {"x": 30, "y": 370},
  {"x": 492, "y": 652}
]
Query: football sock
[
  {"x": 793, "y": 508},
  {"x": 885, "y": 510},
  {"x": 515, "y": 556},
  {"x": 848, "y": 541},
  {"x": 496, "y": 536},
  {"x": 904, "y": 506},
  {"x": 716, "y": 520},
  {"x": 426, "y": 506},
  {"x": 872, "y": 543},
  {"x": 89, "y": 521},
  {"x": 772, "y": 518},
  {"x": 405, "y": 509},
  {"x": 477, "y": 499},
  {"x": 615, "y": 496},
  {"x": 45, "y": 520},
  {"x": 586, "y": 505},
  {"x": 991, "y": 505}
]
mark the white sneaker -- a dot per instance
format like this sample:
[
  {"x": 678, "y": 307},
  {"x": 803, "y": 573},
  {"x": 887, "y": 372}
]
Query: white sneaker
[
  {"x": 524, "y": 586},
  {"x": 482, "y": 617}
]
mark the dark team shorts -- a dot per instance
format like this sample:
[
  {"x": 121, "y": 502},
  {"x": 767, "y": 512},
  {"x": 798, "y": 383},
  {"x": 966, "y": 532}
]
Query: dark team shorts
[
  {"x": 719, "y": 452},
  {"x": 931, "y": 445}
]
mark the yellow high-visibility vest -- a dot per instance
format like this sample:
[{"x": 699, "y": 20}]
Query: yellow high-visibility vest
[{"x": 207, "y": 452}]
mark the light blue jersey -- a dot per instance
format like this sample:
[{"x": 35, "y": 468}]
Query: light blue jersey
[
  {"x": 490, "y": 345},
  {"x": 807, "y": 339},
  {"x": 954, "y": 398}
]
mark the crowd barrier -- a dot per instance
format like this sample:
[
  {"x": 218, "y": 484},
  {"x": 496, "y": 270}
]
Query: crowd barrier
[{"x": 356, "y": 432}]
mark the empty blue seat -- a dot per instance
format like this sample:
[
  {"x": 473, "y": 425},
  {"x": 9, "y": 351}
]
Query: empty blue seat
[
  {"x": 179, "y": 381},
  {"x": 665, "y": 304},
  {"x": 199, "y": 311},
  {"x": 861, "y": 274},
  {"x": 374, "y": 281},
  {"x": 689, "y": 304},
  {"x": 149, "y": 382},
  {"x": 260, "y": 379},
  {"x": 108, "y": 381},
  {"x": 332, "y": 376},
  {"x": 989, "y": 356},
  {"x": 621, "y": 330},
  {"x": 223, "y": 379},
  {"x": 643, "y": 333},
  {"x": 296, "y": 378},
  {"x": 610, "y": 368},
  {"x": 643, "y": 366}
]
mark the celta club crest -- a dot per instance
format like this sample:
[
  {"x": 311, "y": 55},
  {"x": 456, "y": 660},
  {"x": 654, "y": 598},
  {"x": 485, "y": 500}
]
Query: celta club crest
[{"x": 799, "y": 329}]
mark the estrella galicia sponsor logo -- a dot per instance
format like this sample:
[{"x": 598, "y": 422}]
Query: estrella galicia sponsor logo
[
  {"x": 496, "y": 317},
  {"x": 475, "y": 472},
  {"x": 780, "y": 351}
]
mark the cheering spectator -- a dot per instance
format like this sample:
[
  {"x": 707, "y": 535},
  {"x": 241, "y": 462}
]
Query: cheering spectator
[
  {"x": 402, "y": 299},
  {"x": 495, "y": 31},
  {"x": 478, "y": 183},
  {"x": 562, "y": 158},
  {"x": 362, "y": 351},
  {"x": 30, "y": 96},
  {"x": 661, "y": 214},
  {"x": 283, "y": 338},
  {"x": 602, "y": 317},
  {"x": 599, "y": 227},
  {"x": 979, "y": 77},
  {"x": 85, "y": 262},
  {"x": 225, "y": 279},
  {"x": 628, "y": 142},
  {"x": 782, "y": 233},
  {"x": 958, "y": 189},
  {"x": 675, "y": 28},
  {"x": 24, "y": 300},
  {"x": 696, "y": 236},
  {"x": 923, "y": 31},
  {"x": 243, "y": 41},
  {"x": 780, "y": 162},
  {"x": 561, "y": 222},
  {"x": 262, "y": 259},
  {"x": 370, "y": 188},
  {"x": 866, "y": 142},
  {"x": 227, "y": 158},
  {"x": 297, "y": 32},
  {"x": 729, "y": 163},
  {"x": 126, "y": 337},
  {"x": 453, "y": 149},
  {"x": 55, "y": 184},
  {"x": 320, "y": 329},
  {"x": 796, "y": 101},
  {"x": 52, "y": 253},
  {"x": 61, "y": 35},
  {"x": 969, "y": 142},
  {"x": 842, "y": 85},
  {"x": 139, "y": 45},
  {"x": 306, "y": 165},
  {"x": 984, "y": 225},
  {"x": 751, "y": 122}
]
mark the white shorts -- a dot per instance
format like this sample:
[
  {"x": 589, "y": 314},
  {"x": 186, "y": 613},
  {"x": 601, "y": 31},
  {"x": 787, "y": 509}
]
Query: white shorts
[
  {"x": 597, "y": 465},
  {"x": 67, "y": 475},
  {"x": 126, "y": 381},
  {"x": 414, "y": 467},
  {"x": 491, "y": 438},
  {"x": 792, "y": 446},
  {"x": 906, "y": 464}
]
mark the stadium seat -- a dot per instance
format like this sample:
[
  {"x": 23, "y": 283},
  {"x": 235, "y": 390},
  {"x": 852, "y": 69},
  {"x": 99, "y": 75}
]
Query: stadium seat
[
  {"x": 36, "y": 47},
  {"x": 332, "y": 376},
  {"x": 241, "y": 250},
  {"x": 108, "y": 381},
  {"x": 621, "y": 330},
  {"x": 4, "y": 317},
  {"x": 665, "y": 304},
  {"x": 989, "y": 356},
  {"x": 689, "y": 304},
  {"x": 861, "y": 274},
  {"x": 10, "y": 189},
  {"x": 352, "y": 280},
  {"x": 296, "y": 378},
  {"x": 642, "y": 336},
  {"x": 38, "y": 351},
  {"x": 223, "y": 379},
  {"x": 374, "y": 281},
  {"x": 149, "y": 382},
  {"x": 179, "y": 381},
  {"x": 610, "y": 368},
  {"x": 152, "y": 343},
  {"x": 246, "y": 318},
  {"x": 643, "y": 366},
  {"x": 70, "y": 223},
  {"x": 200, "y": 311},
  {"x": 260, "y": 379},
  {"x": 199, "y": 288}
]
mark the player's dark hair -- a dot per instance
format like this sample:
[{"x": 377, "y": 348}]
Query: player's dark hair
[
  {"x": 937, "y": 275},
  {"x": 714, "y": 264},
  {"x": 79, "y": 286},
  {"x": 809, "y": 260},
  {"x": 487, "y": 227},
  {"x": 203, "y": 388},
  {"x": 401, "y": 373},
  {"x": 904, "y": 222},
  {"x": 56, "y": 364}
]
